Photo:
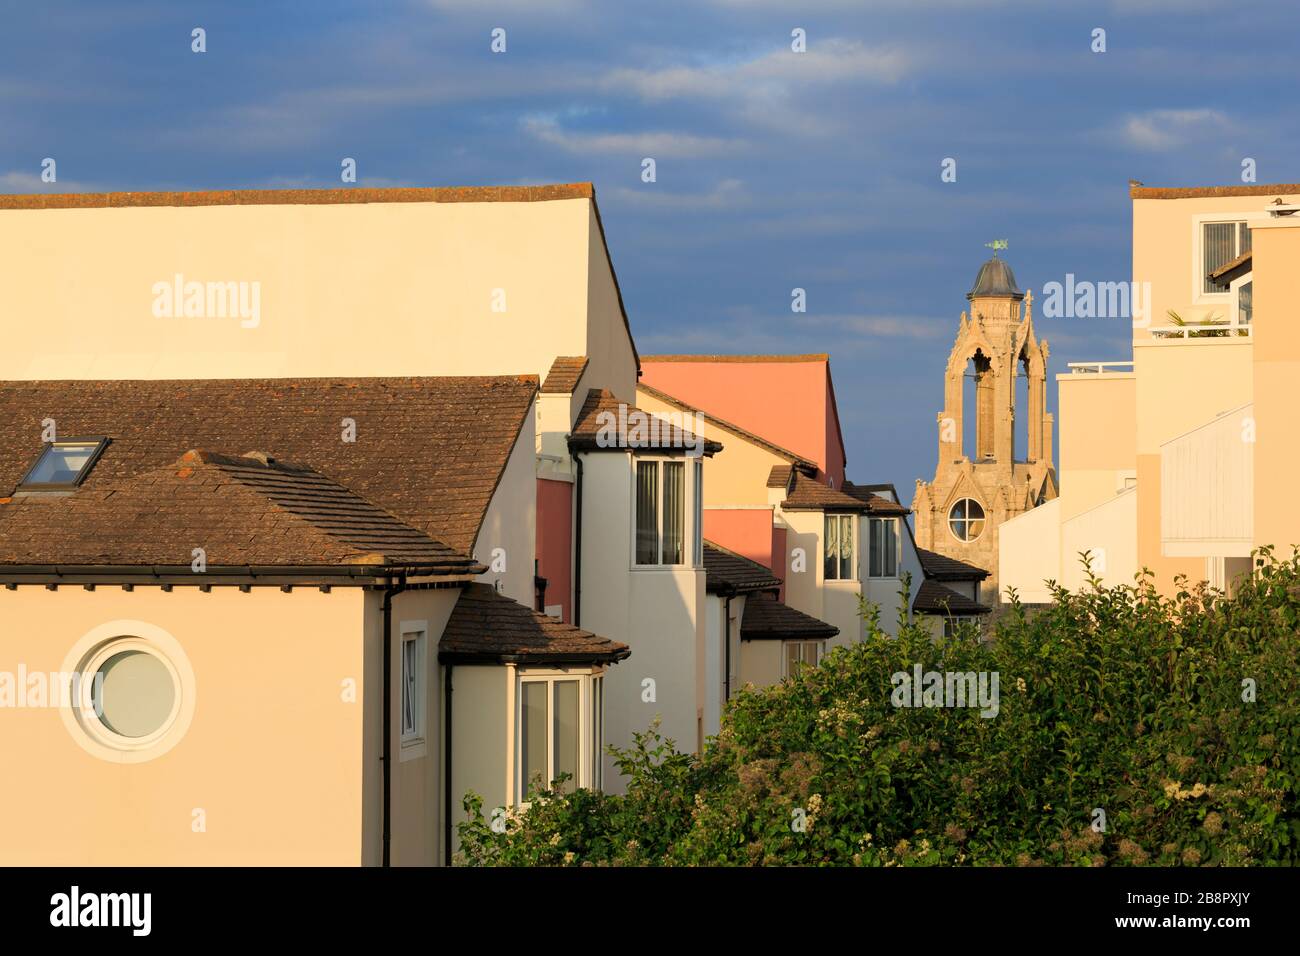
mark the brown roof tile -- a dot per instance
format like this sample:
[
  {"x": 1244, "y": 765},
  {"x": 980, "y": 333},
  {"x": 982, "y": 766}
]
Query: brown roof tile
[
  {"x": 564, "y": 374},
  {"x": 727, "y": 571},
  {"x": 809, "y": 494},
  {"x": 943, "y": 568},
  {"x": 766, "y": 618},
  {"x": 779, "y": 476},
  {"x": 1232, "y": 268},
  {"x": 1210, "y": 192},
  {"x": 587, "y": 434},
  {"x": 877, "y": 504},
  {"x": 314, "y": 197},
  {"x": 241, "y": 510},
  {"x": 430, "y": 451},
  {"x": 485, "y": 625},
  {"x": 933, "y": 598}
]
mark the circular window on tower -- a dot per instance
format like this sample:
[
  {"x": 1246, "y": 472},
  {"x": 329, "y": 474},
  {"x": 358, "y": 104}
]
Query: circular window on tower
[
  {"x": 132, "y": 695},
  {"x": 966, "y": 519}
]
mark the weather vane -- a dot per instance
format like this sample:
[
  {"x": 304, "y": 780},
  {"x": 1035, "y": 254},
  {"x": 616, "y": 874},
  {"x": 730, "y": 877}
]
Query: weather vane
[{"x": 996, "y": 244}]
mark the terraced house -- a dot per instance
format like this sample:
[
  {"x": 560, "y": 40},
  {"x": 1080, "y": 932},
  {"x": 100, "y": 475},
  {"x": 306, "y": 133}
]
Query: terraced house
[
  {"x": 791, "y": 544},
  {"x": 310, "y": 558},
  {"x": 413, "y": 533}
]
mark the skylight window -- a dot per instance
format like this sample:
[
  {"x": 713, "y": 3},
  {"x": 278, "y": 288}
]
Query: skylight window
[{"x": 63, "y": 465}]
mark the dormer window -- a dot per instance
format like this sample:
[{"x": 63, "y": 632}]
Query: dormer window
[{"x": 63, "y": 464}]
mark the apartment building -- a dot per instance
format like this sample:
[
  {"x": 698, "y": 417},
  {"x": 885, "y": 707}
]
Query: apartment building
[{"x": 1176, "y": 460}]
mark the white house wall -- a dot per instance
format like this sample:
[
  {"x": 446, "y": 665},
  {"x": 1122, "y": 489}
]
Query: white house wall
[{"x": 658, "y": 613}]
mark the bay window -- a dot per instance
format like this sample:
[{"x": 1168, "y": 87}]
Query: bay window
[
  {"x": 558, "y": 732},
  {"x": 838, "y": 547},
  {"x": 882, "y": 548},
  {"x": 661, "y": 513},
  {"x": 800, "y": 654}
]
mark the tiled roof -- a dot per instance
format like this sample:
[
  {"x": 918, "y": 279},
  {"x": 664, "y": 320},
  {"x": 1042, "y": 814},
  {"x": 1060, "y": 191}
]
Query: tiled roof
[
  {"x": 736, "y": 430},
  {"x": 818, "y": 357},
  {"x": 933, "y": 598},
  {"x": 1236, "y": 265},
  {"x": 877, "y": 504},
  {"x": 1211, "y": 192},
  {"x": 943, "y": 568},
  {"x": 430, "y": 451},
  {"x": 726, "y": 571},
  {"x": 243, "y": 511},
  {"x": 779, "y": 476},
  {"x": 809, "y": 494},
  {"x": 487, "y": 626},
  {"x": 564, "y": 374},
  {"x": 766, "y": 618},
  {"x": 587, "y": 431},
  {"x": 314, "y": 197}
]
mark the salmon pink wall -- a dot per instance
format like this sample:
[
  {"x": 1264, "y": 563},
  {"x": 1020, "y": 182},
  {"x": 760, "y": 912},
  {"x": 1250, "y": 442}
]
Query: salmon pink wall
[
  {"x": 747, "y": 531},
  {"x": 555, "y": 541},
  {"x": 791, "y": 404}
]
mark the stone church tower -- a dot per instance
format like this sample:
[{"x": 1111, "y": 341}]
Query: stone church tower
[{"x": 974, "y": 490}]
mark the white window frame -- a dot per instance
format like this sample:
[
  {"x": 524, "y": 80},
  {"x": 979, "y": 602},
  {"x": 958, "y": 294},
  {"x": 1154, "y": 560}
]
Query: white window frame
[
  {"x": 841, "y": 518},
  {"x": 591, "y": 691},
  {"x": 898, "y": 548},
  {"x": 1234, "y": 290},
  {"x": 697, "y": 513},
  {"x": 690, "y": 495},
  {"x": 1199, "y": 222},
  {"x": 414, "y": 739},
  {"x": 818, "y": 646}
]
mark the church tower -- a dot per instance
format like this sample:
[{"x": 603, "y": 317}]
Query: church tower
[{"x": 974, "y": 490}]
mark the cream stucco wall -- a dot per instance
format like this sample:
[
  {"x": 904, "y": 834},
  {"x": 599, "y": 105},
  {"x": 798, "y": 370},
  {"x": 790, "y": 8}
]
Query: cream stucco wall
[
  {"x": 1029, "y": 554},
  {"x": 418, "y": 771},
  {"x": 275, "y": 757},
  {"x": 340, "y": 287},
  {"x": 1181, "y": 384},
  {"x": 761, "y": 662},
  {"x": 1276, "y": 376},
  {"x": 1098, "y": 438},
  {"x": 1106, "y": 531},
  {"x": 482, "y": 738}
]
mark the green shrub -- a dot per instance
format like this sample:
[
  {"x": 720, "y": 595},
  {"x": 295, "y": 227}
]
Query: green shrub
[{"x": 1113, "y": 699}]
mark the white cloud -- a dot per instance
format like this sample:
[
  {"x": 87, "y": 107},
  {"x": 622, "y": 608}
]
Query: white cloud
[
  {"x": 727, "y": 194},
  {"x": 773, "y": 74},
  {"x": 23, "y": 182},
  {"x": 1168, "y": 129},
  {"x": 658, "y": 145}
]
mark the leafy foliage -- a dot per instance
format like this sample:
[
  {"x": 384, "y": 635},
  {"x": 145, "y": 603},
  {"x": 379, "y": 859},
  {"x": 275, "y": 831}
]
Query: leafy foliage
[{"x": 1113, "y": 698}]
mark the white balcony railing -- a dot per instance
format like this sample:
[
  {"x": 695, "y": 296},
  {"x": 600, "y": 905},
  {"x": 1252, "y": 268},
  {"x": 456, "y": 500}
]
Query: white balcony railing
[
  {"x": 1098, "y": 368},
  {"x": 1200, "y": 331}
]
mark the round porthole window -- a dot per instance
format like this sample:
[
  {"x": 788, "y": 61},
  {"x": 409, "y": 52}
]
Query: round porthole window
[
  {"x": 134, "y": 693},
  {"x": 966, "y": 519},
  {"x": 133, "y": 696}
]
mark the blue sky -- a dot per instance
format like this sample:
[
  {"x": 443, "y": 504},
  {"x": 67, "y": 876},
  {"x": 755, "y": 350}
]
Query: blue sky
[{"x": 775, "y": 170}]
